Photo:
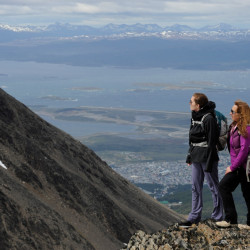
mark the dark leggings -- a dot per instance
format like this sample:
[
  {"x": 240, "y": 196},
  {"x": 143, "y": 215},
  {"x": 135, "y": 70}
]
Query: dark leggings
[{"x": 227, "y": 185}]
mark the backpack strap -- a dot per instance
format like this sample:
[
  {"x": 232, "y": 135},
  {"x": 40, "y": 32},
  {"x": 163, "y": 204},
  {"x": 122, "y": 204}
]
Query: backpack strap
[
  {"x": 204, "y": 116},
  {"x": 248, "y": 166},
  {"x": 200, "y": 144},
  {"x": 201, "y": 121}
]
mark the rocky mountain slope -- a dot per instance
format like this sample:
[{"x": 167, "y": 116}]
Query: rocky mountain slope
[
  {"x": 203, "y": 236},
  {"x": 55, "y": 193}
]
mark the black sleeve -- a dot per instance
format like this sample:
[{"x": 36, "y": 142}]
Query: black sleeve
[
  {"x": 188, "y": 158},
  {"x": 212, "y": 134}
]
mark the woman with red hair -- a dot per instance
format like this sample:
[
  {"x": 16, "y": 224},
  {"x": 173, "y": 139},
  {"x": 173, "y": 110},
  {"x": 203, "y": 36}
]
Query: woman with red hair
[{"x": 239, "y": 148}]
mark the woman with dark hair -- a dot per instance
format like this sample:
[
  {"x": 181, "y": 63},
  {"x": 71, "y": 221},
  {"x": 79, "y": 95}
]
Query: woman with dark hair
[
  {"x": 239, "y": 148},
  {"x": 203, "y": 155}
]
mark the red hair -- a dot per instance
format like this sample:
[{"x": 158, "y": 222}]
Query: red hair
[{"x": 244, "y": 111}]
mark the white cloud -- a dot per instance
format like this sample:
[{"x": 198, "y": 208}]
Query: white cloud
[
  {"x": 77, "y": 8},
  {"x": 81, "y": 8},
  {"x": 17, "y": 10},
  {"x": 189, "y": 7},
  {"x": 117, "y": 11}
]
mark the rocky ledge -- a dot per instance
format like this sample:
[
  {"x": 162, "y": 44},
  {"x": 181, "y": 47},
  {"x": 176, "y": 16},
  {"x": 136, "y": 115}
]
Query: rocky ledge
[{"x": 205, "y": 235}]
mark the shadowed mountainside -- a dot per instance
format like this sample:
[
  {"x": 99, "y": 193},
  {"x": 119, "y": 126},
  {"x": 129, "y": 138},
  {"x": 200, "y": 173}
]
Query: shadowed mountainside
[{"x": 58, "y": 194}]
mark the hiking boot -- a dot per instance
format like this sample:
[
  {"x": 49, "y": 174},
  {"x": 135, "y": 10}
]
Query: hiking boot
[
  {"x": 223, "y": 224},
  {"x": 186, "y": 224},
  {"x": 241, "y": 226}
]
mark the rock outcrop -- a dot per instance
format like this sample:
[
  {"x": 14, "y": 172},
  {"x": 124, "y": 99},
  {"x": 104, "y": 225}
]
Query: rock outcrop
[
  {"x": 58, "y": 194},
  {"x": 205, "y": 235}
]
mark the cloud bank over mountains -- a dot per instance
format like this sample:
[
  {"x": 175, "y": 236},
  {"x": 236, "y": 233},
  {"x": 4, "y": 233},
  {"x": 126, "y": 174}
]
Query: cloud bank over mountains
[{"x": 195, "y": 13}]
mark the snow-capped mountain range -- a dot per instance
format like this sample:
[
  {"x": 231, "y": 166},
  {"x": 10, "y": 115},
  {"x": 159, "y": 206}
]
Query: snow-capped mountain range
[
  {"x": 115, "y": 31},
  {"x": 116, "y": 28}
]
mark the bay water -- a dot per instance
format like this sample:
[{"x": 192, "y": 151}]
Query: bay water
[{"x": 158, "y": 89}]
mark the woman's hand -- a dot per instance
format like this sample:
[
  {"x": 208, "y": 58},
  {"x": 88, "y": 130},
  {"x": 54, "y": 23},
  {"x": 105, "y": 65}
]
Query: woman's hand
[{"x": 228, "y": 170}]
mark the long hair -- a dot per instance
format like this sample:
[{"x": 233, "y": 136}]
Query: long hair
[{"x": 244, "y": 111}]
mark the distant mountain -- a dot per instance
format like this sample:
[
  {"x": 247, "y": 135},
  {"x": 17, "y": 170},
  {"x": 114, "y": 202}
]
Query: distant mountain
[
  {"x": 124, "y": 28},
  {"x": 220, "y": 47},
  {"x": 57, "y": 30},
  {"x": 56, "y": 193},
  {"x": 137, "y": 52},
  {"x": 222, "y": 27},
  {"x": 179, "y": 28}
]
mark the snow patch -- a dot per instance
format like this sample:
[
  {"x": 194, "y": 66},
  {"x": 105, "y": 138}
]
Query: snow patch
[{"x": 2, "y": 165}]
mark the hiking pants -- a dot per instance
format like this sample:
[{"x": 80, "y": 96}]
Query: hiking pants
[
  {"x": 227, "y": 185},
  {"x": 212, "y": 179}
]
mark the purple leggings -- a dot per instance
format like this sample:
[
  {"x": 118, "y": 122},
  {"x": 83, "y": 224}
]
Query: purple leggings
[{"x": 212, "y": 179}]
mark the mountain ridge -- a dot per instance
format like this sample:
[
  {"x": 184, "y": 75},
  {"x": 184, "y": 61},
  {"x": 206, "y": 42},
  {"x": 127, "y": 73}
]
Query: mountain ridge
[
  {"x": 117, "y": 27},
  {"x": 59, "y": 30},
  {"x": 58, "y": 194}
]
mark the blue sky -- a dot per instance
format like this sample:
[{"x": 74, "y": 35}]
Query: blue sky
[{"x": 195, "y": 13}]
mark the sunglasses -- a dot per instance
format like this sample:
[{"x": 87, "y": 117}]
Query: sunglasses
[{"x": 233, "y": 112}]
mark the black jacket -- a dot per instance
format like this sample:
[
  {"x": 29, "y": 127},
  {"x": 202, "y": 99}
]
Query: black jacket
[{"x": 209, "y": 133}]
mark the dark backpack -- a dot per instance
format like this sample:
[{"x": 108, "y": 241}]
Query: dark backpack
[{"x": 223, "y": 127}]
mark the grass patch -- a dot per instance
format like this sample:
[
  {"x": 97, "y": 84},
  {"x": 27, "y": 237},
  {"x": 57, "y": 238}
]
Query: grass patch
[
  {"x": 155, "y": 149},
  {"x": 182, "y": 193}
]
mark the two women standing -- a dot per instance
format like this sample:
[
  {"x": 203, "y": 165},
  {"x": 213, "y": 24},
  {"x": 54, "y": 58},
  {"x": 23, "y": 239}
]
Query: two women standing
[{"x": 204, "y": 159}]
